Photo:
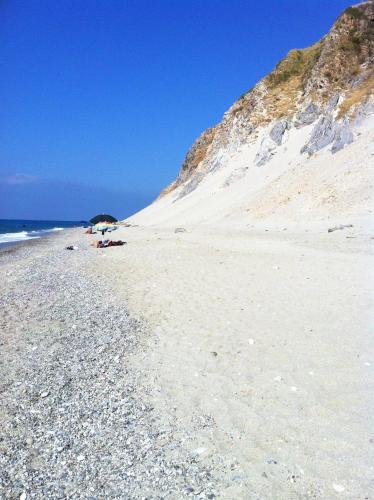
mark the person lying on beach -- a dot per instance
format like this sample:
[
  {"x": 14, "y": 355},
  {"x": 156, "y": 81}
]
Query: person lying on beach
[{"x": 107, "y": 243}]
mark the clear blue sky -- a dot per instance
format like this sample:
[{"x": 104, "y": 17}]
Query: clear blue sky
[{"x": 100, "y": 99}]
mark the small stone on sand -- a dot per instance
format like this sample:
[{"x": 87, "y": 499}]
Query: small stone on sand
[
  {"x": 199, "y": 451},
  {"x": 338, "y": 487}
]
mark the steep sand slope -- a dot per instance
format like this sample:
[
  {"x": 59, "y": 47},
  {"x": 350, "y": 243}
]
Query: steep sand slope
[{"x": 291, "y": 188}]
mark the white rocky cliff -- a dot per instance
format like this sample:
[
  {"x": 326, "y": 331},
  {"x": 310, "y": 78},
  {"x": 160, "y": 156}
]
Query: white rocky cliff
[{"x": 298, "y": 146}]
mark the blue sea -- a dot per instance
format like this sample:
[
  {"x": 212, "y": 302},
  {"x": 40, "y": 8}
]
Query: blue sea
[{"x": 14, "y": 231}]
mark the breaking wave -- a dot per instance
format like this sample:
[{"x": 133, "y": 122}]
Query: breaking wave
[{"x": 26, "y": 235}]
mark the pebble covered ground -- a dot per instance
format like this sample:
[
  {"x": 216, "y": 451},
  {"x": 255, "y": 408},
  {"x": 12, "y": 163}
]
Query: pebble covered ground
[{"x": 74, "y": 421}]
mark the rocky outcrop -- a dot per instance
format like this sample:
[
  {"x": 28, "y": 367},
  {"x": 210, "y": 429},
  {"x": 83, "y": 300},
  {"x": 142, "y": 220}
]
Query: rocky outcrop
[
  {"x": 270, "y": 142},
  {"x": 194, "y": 157},
  {"x": 307, "y": 115},
  {"x": 265, "y": 152},
  {"x": 343, "y": 136},
  {"x": 196, "y": 154},
  {"x": 191, "y": 185},
  {"x": 363, "y": 111},
  {"x": 323, "y": 85},
  {"x": 277, "y": 131},
  {"x": 328, "y": 131},
  {"x": 322, "y": 135}
]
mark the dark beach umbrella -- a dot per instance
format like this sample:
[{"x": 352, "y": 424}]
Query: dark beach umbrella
[{"x": 103, "y": 218}]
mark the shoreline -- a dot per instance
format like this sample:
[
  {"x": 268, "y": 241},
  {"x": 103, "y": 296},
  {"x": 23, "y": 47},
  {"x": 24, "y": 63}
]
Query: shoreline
[
  {"x": 13, "y": 245},
  {"x": 76, "y": 419}
]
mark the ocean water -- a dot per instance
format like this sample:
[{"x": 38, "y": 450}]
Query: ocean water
[{"x": 14, "y": 231}]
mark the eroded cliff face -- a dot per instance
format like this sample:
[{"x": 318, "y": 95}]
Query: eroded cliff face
[{"x": 330, "y": 84}]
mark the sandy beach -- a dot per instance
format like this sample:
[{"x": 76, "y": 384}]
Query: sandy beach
[
  {"x": 76, "y": 420},
  {"x": 255, "y": 354},
  {"x": 263, "y": 349},
  {"x": 223, "y": 348}
]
